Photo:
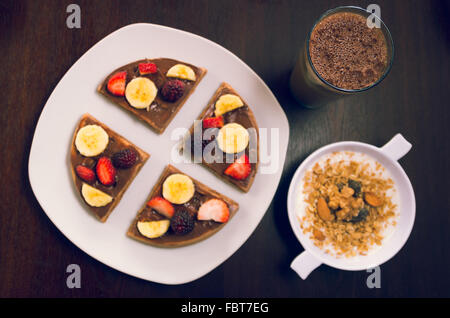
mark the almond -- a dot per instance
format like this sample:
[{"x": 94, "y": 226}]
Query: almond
[
  {"x": 323, "y": 210},
  {"x": 372, "y": 199},
  {"x": 318, "y": 235}
]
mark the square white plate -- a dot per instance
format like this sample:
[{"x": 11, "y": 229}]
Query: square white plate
[{"x": 75, "y": 94}]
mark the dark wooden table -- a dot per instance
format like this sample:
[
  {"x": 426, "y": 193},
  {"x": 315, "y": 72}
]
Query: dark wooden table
[{"x": 37, "y": 49}]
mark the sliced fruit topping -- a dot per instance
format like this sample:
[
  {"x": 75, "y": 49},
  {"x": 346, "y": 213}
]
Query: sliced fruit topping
[
  {"x": 178, "y": 188},
  {"x": 116, "y": 83},
  {"x": 95, "y": 197},
  {"x": 85, "y": 173},
  {"x": 153, "y": 229},
  {"x": 226, "y": 103},
  {"x": 214, "y": 209},
  {"x": 124, "y": 159},
  {"x": 182, "y": 222},
  {"x": 147, "y": 68},
  {"x": 213, "y": 122},
  {"x": 181, "y": 71},
  {"x": 140, "y": 92},
  {"x": 240, "y": 169},
  {"x": 106, "y": 173},
  {"x": 232, "y": 138},
  {"x": 162, "y": 206},
  {"x": 91, "y": 140},
  {"x": 172, "y": 90}
]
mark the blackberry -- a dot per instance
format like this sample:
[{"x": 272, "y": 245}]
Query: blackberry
[
  {"x": 124, "y": 159},
  {"x": 172, "y": 90},
  {"x": 182, "y": 222}
]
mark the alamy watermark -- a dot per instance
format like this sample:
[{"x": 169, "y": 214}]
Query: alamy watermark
[
  {"x": 374, "y": 279},
  {"x": 201, "y": 145},
  {"x": 373, "y": 20},
  {"x": 73, "y": 21},
  {"x": 74, "y": 278}
]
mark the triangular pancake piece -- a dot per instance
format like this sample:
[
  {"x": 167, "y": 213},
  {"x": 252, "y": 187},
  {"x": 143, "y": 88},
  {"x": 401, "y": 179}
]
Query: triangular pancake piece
[
  {"x": 159, "y": 88},
  {"x": 226, "y": 114},
  {"x": 180, "y": 211},
  {"x": 103, "y": 165}
]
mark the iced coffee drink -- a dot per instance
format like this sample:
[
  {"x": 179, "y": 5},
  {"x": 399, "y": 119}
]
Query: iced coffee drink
[{"x": 342, "y": 55}]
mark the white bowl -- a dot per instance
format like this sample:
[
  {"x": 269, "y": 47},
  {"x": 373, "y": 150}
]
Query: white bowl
[{"x": 387, "y": 156}]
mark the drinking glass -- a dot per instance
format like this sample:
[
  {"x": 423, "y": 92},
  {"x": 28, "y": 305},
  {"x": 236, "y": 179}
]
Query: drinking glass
[{"x": 309, "y": 88}]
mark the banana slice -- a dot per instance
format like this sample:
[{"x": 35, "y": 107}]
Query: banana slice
[
  {"x": 181, "y": 71},
  {"x": 232, "y": 138},
  {"x": 140, "y": 92},
  {"x": 91, "y": 140},
  {"x": 226, "y": 103},
  {"x": 153, "y": 229},
  {"x": 178, "y": 188},
  {"x": 95, "y": 197}
]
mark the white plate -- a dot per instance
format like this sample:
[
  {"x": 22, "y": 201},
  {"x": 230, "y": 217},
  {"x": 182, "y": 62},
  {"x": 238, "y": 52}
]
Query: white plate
[{"x": 76, "y": 94}]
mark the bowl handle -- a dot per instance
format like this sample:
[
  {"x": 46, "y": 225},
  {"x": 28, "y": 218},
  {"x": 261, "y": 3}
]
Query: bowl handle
[
  {"x": 396, "y": 148},
  {"x": 304, "y": 264}
]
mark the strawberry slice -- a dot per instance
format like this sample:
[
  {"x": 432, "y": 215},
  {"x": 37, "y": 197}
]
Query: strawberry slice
[
  {"x": 85, "y": 173},
  {"x": 162, "y": 206},
  {"x": 106, "y": 173},
  {"x": 147, "y": 68},
  {"x": 240, "y": 169},
  {"x": 116, "y": 83},
  {"x": 213, "y": 209},
  {"x": 213, "y": 122}
]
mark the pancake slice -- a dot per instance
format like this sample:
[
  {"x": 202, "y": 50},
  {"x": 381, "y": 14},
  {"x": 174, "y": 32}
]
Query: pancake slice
[
  {"x": 154, "y": 90},
  {"x": 103, "y": 164},
  {"x": 229, "y": 141},
  {"x": 163, "y": 223}
]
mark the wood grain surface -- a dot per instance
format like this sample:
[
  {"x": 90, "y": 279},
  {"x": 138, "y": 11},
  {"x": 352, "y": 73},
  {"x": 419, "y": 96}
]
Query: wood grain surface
[{"x": 37, "y": 49}]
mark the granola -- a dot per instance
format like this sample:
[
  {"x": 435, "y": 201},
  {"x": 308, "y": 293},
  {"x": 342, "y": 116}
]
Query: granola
[{"x": 348, "y": 204}]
